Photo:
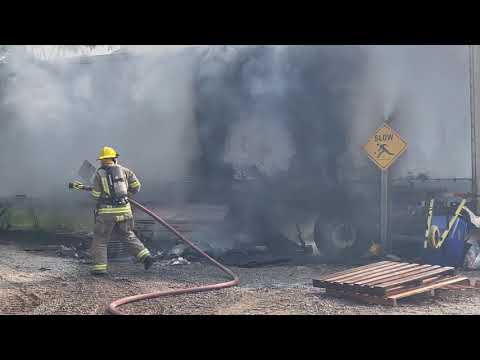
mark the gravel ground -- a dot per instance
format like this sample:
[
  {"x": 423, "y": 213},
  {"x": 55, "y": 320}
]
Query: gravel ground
[{"x": 39, "y": 283}]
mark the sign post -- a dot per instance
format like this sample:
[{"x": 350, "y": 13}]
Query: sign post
[
  {"x": 385, "y": 212},
  {"x": 383, "y": 148}
]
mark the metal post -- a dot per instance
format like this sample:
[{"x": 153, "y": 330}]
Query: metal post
[
  {"x": 475, "y": 123},
  {"x": 385, "y": 239}
]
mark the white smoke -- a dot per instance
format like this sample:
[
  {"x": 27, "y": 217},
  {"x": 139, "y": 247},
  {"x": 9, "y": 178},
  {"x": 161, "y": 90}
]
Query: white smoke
[
  {"x": 57, "y": 52},
  {"x": 55, "y": 115},
  {"x": 424, "y": 90}
]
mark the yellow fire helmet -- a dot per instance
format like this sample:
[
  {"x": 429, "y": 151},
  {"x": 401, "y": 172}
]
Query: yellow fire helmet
[{"x": 107, "y": 153}]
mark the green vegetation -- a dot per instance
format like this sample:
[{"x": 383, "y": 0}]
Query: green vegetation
[{"x": 46, "y": 220}]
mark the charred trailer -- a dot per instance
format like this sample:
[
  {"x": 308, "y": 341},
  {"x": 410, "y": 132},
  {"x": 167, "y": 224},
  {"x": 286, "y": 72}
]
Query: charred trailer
[{"x": 282, "y": 130}]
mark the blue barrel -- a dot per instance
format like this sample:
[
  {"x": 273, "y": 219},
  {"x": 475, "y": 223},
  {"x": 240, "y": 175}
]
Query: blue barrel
[{"x": 452, "y": 252}]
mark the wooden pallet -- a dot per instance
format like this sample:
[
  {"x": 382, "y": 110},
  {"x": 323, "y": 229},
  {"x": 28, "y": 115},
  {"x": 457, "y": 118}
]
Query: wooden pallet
[{"x": 386, "y": 282}]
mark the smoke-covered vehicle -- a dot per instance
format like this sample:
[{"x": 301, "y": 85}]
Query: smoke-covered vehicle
[{"x": 274, "y": 125}]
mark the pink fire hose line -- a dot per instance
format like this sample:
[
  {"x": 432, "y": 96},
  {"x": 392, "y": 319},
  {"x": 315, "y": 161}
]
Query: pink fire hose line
[{"x": 113, "y": 307}]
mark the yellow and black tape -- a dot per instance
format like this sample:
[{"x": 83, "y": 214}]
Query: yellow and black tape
[{"x": 434, "y": 237}]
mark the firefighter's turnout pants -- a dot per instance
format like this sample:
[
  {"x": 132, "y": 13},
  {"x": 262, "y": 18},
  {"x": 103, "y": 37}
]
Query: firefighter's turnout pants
[
  {"x": 108, "y": 217},
  {"x": 104, "y": 227}
]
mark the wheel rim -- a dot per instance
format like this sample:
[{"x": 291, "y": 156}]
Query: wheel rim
[{"x": 344, "y": 236}]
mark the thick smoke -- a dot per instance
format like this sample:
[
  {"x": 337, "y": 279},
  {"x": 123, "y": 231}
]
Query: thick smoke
[
  {"x": 283, "y": 124},
  {"x": 279, "y": 117},
  {"x": 270, "y": 104}
]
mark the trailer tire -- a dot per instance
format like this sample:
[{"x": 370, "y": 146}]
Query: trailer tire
[{"x": 335, "y": 239}]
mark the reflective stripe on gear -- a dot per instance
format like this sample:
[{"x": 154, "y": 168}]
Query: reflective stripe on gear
[
  {"x": 143, "y": 254},
  {"x": 96, "y": 194},
  {"x": 99, "y": 268},
  {"x": 106, "y": 189},
  {"x": 124, "y": 210},
  {"x": 135, "y": 184}
]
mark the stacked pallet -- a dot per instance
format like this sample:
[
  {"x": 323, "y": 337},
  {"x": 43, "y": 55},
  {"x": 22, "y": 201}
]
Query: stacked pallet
[{"x": 387, "y": 282}]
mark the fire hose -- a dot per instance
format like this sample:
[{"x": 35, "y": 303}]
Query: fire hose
[{"x": 113, "y": 307}]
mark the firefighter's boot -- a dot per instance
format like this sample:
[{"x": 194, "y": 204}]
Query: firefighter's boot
[{"x": 148, "y": 262}]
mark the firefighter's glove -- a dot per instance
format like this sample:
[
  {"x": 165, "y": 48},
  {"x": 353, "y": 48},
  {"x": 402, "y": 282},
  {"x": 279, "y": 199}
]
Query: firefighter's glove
[{"x": 77, "y": 185}]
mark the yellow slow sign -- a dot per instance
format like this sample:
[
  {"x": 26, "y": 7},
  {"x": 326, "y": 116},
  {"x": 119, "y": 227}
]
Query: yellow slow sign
[{"x": 385, "y": 146}]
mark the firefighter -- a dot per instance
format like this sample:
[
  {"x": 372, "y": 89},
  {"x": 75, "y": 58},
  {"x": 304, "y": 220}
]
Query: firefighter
[{"x": 112, "y": 185}]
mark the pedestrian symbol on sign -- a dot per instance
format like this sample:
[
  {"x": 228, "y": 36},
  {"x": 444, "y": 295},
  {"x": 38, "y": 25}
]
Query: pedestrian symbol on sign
[{"x": 382, "y": 149}]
